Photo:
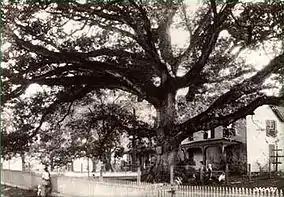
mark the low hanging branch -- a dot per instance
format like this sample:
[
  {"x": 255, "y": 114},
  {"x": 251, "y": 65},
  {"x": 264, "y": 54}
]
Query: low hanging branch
[{"x": 129, "y": 47}]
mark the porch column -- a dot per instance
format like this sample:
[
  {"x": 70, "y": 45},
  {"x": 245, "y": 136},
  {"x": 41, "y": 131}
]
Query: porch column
[
  {"x": 203, "y": 149},
  {"x": 184, "y": 150},
  {"x": 223, "y": 153},
  {"x": 224, "y": 159}
]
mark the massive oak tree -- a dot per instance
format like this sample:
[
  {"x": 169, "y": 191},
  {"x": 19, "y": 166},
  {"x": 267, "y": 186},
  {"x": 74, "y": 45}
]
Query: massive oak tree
[{"x": 127, "y": 45}]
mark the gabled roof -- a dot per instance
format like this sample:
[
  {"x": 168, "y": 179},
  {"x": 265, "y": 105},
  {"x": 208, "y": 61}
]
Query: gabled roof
[{"x": 279, "y": 112}]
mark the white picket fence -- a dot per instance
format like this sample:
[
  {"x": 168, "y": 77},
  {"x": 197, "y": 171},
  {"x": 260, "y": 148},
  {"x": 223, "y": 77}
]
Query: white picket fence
[
  {"x": 70, "y": 186},
  {"x": 227, "y": 191}
]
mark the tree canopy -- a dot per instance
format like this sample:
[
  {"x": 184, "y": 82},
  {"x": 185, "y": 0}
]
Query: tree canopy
[
  {"x": 95, "y": 127},
  {"x": 128, "y": 45}
]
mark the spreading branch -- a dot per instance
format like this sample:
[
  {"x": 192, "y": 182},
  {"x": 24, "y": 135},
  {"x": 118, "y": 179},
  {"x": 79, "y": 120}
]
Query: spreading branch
[{"x": 204, "y": 121}]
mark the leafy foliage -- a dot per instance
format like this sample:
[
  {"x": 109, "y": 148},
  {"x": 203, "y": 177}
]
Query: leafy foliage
[
  {"x": 19, "y": 120},
  {"x": 94, "y": 128},
  {"x": 80, "y": 48},
  {"x": 98, "y": 132}
]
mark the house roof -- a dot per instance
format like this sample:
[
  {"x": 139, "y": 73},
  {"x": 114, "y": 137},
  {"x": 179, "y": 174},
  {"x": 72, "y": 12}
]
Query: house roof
[{"x": 279, "y": 112}]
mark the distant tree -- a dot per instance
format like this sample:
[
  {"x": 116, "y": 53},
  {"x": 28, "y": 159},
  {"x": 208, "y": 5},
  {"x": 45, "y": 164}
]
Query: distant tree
[
  {"x": 20, "y": 118},
  {"x": 52, "y": 147},
  {"x": 127, "y": 45},
  {"x": 100, "y": 129}
]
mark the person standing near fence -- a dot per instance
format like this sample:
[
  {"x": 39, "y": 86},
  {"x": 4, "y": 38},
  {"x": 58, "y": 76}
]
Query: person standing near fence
[
  {"x": 202, "y": 172},
  {"x": 210, "y": 170},
  {"x": 46, "y": 183}
]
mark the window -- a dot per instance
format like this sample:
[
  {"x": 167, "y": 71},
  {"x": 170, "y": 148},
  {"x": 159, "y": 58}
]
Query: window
[
  {"x": 229, "y": 130},
  {"x": 209, "y": 134},
  {"x": 271, "y": 128}
]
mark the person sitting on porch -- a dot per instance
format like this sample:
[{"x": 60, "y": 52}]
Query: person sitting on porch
[{"x": 222, "y": 177}]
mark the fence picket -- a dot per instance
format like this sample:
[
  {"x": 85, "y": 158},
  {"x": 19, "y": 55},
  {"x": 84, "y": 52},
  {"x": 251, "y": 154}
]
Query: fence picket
[
  {"x": 261, "y": 193},
  {"x": 187, "y": 191},
  {"x": 126, "y": 188}
]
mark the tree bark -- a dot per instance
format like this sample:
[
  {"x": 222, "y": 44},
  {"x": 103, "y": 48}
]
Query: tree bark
[
  {"x": 51, "y": 163},
  {"x": 167, "y": 148}
]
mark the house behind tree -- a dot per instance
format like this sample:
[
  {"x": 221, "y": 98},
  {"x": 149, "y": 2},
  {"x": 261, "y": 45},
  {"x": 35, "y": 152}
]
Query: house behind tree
[{"x": 250, "y": 142}]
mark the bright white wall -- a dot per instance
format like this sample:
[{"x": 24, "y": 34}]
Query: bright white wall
[
  {"x": 82, "y": 164},
  {"x": 241, "y": 133},
  {"x": 14, "y": 163},
  {"x": 257, "y": 141}
]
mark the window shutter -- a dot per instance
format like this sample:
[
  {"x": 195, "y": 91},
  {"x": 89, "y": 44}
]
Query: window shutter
[
  {"x": 205, "y": 135},
  {"x": 212, "y": 133}
]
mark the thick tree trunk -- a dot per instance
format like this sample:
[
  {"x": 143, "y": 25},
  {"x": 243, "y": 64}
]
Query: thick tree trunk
[
  {"x": 167, "y": 149},
  {"x": 160, "y": 171}
]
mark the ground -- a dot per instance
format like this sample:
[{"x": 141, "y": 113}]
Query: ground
[
  {"x": 257, "y": 182},
  {"x": 278, "y": 182},
  {"x": 7, "y": 191}
]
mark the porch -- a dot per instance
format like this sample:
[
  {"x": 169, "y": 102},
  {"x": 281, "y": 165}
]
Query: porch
[{"x": 217, "y": 152}]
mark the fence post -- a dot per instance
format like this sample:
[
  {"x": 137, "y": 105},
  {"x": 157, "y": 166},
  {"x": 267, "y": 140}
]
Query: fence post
[
  {"x": 249, "y": 171},
  {"x": 139, "y": 175},
  {"x": 172, "y": 174},
  {"x": 101, "y": 174}
]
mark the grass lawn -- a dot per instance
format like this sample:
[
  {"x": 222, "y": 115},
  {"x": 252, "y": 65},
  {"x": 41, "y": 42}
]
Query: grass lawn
[{"x": 257, "y": 182}]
